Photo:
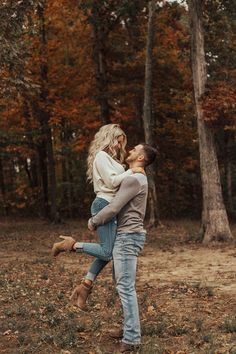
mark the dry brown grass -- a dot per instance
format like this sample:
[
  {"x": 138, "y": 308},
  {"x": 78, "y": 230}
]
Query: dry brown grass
[{"x": 187, "y": 293}]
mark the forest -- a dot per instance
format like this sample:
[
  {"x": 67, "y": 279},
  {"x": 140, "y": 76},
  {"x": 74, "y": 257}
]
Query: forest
[
  {"x": 67, "y": 67},
  {"x": 165, "y": 71}
]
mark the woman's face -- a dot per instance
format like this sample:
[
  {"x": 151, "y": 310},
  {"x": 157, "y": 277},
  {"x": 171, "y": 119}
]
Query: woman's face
[{"x": 120, "y": 141}]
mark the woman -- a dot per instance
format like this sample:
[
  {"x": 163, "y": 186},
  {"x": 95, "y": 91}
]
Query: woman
[{"x": 105, "y": 170}]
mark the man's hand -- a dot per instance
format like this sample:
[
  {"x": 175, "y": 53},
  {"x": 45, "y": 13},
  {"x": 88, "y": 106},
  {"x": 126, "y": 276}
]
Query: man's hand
[{"x": 91, "y": 225}]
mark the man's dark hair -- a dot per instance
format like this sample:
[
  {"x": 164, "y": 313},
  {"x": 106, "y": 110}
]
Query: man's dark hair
[{"x": 150, "y": 153}]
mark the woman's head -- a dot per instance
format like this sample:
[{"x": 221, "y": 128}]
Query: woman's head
[{"x": 109, "y": 138}]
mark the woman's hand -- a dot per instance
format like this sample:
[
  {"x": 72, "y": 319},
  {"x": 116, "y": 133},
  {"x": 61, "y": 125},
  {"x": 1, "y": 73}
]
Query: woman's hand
[
  {"x": 138, "y": 170},
  {"x": 91, "y": 225}
]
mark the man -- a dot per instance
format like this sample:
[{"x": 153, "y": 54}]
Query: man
[{"x": 130, "y": 205}]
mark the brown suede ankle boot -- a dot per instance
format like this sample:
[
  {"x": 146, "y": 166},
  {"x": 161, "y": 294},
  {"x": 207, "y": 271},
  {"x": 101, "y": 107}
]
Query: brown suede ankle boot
[
  {"x": 128, "y": 348},
  {"x": 116, "y": 333},
  {"x": 63, "y": 246},
  {"x": 80, "y": 294}
]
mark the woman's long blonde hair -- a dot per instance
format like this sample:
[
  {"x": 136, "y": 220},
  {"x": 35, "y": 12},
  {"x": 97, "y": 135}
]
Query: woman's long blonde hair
[{"x": 106, "y": 140}]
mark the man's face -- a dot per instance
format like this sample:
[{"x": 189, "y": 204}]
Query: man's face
[{"x": 135, "y": 153}]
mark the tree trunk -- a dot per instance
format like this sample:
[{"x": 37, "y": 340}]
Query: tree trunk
[
  {"x": 43, "y": 177},
  {"x": 215, "y": 225},
  {"x": 229, "y": 142},
  {"x": 99, "y": 38},
  {"x": 52, "y": 178},
  {"x": 148, "y": 122},
  {"x": 138, "y": 104},
  {"x": 32, "y": 171},
  {"x": 3, "y": 188},
  {"x": 67, "y": 192},
  {"x": 44, "y": 118}
]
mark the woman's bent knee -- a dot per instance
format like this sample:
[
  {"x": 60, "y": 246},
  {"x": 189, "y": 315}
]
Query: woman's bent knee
[{"x": 107, "y": 257}]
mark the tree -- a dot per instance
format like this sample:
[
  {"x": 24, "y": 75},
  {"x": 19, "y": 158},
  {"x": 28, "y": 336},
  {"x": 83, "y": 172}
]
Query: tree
[
  {"x": 103, "y": 17},
  {"x": 44, "y": 116},
  {"x": 13, "y": 52},
  {"x": 215, "y": 225},
  {"x": 220, "y": 97},
  {"x": 148, "y": 120}
]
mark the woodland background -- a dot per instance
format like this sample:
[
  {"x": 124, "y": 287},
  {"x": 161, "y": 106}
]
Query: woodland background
[
  {"x": 69, "y": 66},
  {"x": 66, "y": 68}
]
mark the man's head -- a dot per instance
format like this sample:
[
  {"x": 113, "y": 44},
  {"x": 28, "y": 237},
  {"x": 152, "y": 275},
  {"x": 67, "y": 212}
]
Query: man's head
[{"x": 141, "y": 155}]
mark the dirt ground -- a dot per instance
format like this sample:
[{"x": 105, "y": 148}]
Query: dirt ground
[{"x": 186, "y": 292}]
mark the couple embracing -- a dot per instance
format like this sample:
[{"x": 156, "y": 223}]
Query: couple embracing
[{"x": 117, "y": 215}]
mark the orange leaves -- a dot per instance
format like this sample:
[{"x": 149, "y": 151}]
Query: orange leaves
[
  {"x": 219, "y": 104},
  {"x": 22, "y": 197}
]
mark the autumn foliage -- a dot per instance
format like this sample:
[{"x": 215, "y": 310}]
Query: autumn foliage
[{"x": 70, "y": 66}]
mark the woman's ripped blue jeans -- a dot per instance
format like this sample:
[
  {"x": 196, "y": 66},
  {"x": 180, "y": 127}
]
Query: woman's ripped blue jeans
[{"x": 107, "y": 235}]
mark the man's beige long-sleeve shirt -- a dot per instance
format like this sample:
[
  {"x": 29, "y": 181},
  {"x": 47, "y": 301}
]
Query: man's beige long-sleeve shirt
[{"x": 129, "y": 204}]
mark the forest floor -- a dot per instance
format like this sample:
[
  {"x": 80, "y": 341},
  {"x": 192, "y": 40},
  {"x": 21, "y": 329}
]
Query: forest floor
[{"x": 186, "y": 292}]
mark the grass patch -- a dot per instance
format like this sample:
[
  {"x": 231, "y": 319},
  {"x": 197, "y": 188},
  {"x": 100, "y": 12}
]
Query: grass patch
[
  {"x": 151, "y": 348},
  {"x": 43, "y": 261},
  {"x": 207, "y": 338},
  {"x": 66, "y": 340},
  {"x": 154, "y": 329},
  {"x": 178, "y": 331},
  {"x": 229, "y": 325}
]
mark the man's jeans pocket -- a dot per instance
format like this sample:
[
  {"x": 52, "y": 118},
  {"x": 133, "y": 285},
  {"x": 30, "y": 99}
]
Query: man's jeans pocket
[{"x": 129, "y": 244}]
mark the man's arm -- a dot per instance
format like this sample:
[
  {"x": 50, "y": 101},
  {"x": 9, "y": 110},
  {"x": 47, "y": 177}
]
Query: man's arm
[{"x": 129, "y": 188}]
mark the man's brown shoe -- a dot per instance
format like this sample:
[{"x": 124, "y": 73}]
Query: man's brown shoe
[
  {"x": 116, "y": 333},
  {"x": 80, "y": 294},
  {"x": 63, "y": 246},
  {"x": 128, "y": 348}
]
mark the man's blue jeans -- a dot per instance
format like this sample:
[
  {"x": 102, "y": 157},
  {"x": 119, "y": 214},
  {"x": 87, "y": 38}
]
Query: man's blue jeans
[
  {"x": 107, "y": 235},
  {"x": 125, "y": 253}
]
